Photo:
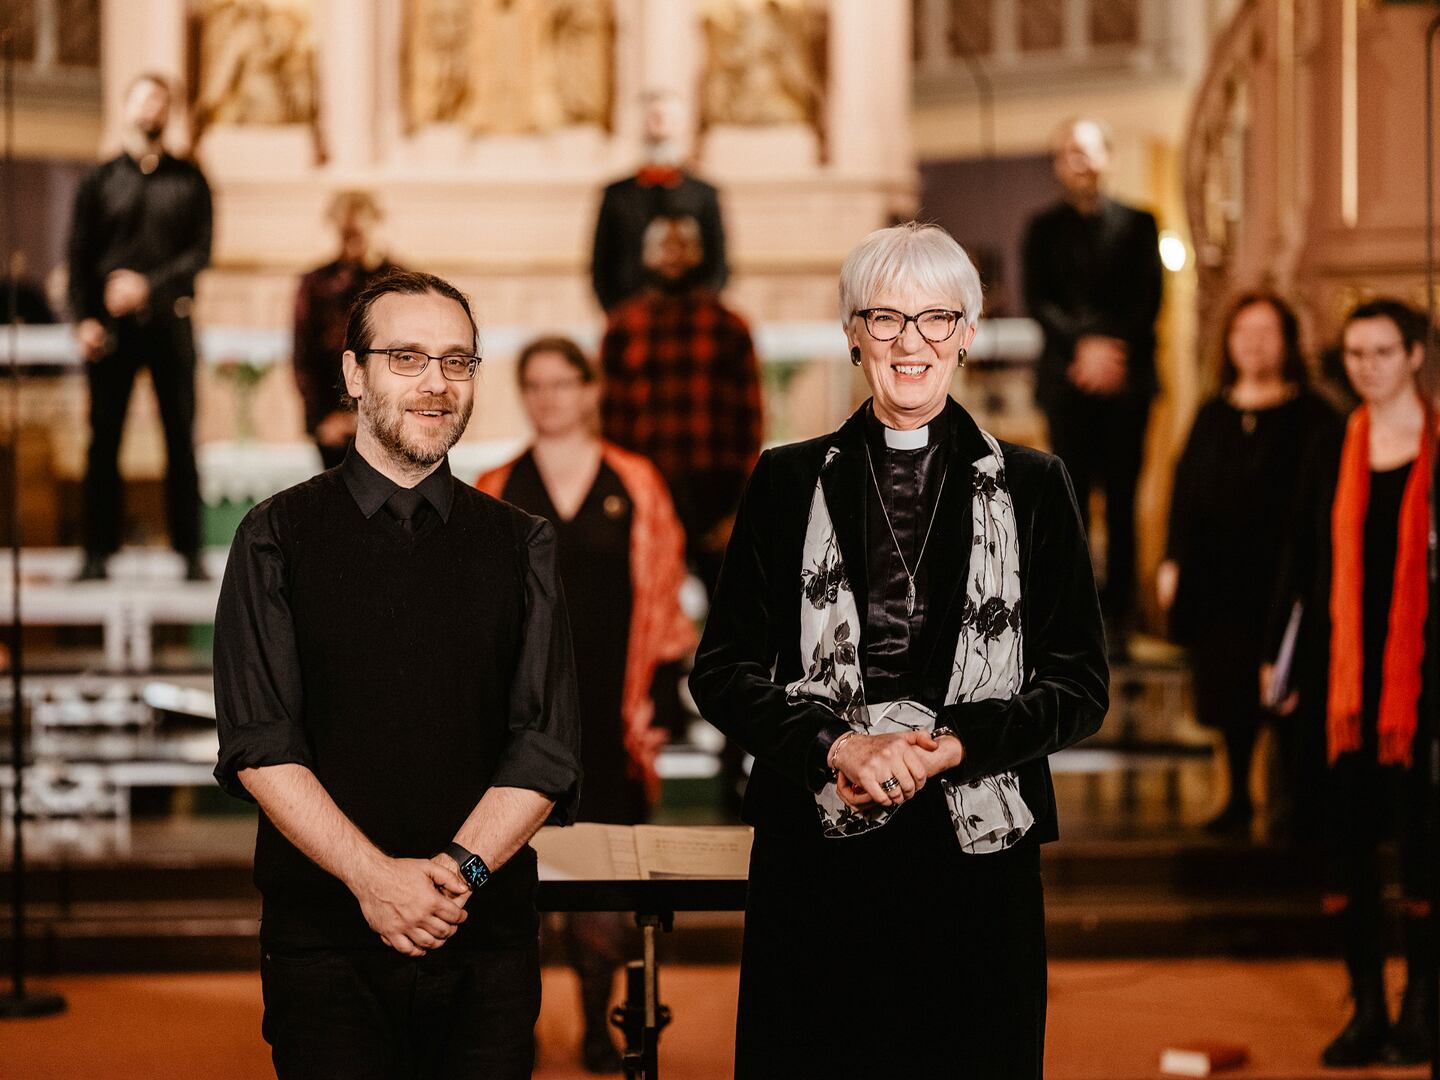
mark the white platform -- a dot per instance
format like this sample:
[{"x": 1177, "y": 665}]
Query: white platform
[{"x": 145, "y": 589}]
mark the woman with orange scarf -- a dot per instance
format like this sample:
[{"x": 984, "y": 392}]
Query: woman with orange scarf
[
  {"x": 621, "y": 557},
  {"x": 1359, "y": 562}
]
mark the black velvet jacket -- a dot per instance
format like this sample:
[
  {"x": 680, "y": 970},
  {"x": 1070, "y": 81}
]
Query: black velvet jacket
[{"x": 750, "y": 650}]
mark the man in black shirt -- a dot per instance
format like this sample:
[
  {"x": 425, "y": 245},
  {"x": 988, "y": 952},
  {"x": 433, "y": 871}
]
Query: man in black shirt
[
  {"x": 1092, "y": 280},
  {"x": 394, "y": 686},
  {"x": 662, "y": 188},
  {"x": 140, "y": 235}
]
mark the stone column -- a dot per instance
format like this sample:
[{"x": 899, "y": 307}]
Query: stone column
[
  {"x": 348, "y": 59},
  {"x": 136, "y": 36},
  {"x": 869, "y": 89}
]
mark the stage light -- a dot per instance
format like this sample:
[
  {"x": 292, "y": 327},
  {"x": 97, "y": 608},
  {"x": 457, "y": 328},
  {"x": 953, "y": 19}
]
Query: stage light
[{"x": 1172, "y": 251}]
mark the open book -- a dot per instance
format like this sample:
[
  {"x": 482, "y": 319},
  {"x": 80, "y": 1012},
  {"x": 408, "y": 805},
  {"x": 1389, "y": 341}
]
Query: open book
[{"x": 590, "y": 852}]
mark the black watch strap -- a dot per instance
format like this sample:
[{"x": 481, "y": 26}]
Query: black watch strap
[{"x": 472, "y": 867}]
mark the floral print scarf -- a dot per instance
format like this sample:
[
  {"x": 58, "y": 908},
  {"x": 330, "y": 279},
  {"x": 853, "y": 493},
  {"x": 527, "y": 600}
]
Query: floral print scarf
[{"x": 988, "y": 813}]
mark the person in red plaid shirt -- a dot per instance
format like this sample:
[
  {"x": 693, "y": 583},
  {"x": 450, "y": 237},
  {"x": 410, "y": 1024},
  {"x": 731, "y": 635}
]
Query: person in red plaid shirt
[
  {"x": 683, "y": 389},
  {"x": 322, "y": 306}
]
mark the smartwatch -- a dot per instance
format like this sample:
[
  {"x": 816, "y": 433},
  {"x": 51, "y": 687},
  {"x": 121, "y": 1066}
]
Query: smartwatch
[{"x": 472, "y": 867}]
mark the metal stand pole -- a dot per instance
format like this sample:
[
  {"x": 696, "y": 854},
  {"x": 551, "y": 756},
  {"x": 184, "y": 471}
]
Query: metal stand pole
[
  {"x": 641, "y": 1018},
  {"x": 18, "y": 1003},
  {"x": 1432, "y": 675}
]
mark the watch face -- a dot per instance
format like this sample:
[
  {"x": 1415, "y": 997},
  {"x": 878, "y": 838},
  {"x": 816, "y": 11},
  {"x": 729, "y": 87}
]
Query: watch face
[{"x": 475, "y": 871}]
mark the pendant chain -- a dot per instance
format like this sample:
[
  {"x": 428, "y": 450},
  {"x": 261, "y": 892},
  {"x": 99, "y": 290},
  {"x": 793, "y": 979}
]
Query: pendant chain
[{"x": 910, "y": 577}]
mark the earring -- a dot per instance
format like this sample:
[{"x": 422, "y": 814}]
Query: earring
[
  {"x": 962, "y": 356},
  {"x": 855, "y": 355}
]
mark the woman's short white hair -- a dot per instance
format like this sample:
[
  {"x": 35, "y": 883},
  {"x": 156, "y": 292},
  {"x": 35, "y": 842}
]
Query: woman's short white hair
[{"x": 925, "y": 258}]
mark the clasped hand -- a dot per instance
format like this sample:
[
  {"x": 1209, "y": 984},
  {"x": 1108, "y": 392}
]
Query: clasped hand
[
  {"x": 415, "y": 905},
  {"x": 864, "y": 764},
  {"x": 126, "y": 292},
  {"x": 1099, "y": 365}
]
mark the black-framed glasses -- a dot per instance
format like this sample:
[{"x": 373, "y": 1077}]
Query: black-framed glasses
[
  {"x": 887, "y": 324},
  {"x": 457, "y": 367}
]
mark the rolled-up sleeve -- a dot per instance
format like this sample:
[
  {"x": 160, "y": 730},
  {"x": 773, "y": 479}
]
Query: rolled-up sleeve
[
  {"x": 543, "y": 753},
  {"x": 258, "y": 691}
]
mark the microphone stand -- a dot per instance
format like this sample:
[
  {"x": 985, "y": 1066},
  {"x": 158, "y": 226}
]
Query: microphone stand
[
  {"x": 18, "y": 1003},
  {"x": 1432, "y": 675}
]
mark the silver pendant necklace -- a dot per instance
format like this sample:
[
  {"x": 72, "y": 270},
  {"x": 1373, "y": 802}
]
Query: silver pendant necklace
[{"x": 909, "y": 574}]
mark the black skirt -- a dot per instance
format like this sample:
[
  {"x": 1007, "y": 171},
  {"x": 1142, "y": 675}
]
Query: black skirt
[{"x": 892, "y": 954}]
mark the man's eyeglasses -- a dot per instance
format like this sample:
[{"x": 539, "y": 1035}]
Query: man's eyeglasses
[
  {"x": 457, "y": 367},
  {"x": 887, "y": 324}
]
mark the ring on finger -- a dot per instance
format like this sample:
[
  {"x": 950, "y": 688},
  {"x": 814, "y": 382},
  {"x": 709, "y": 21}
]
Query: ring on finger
[{"x": 890, "y": 785}]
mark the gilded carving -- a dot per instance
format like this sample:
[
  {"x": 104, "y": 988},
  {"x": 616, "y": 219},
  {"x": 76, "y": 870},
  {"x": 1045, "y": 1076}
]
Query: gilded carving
[
  {"x": 509, "y": 66},
  {"x": 253, "y": 63},
  {"x": 765, "y": 63}
]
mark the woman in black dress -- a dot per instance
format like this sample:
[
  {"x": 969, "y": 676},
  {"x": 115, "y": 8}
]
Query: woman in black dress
[
  {"x": 1357, "y": 560},
  {"x": 1230, "y": 514},
  {"x": 621, "y": 563},
  {"x": 905, "y": 627}
]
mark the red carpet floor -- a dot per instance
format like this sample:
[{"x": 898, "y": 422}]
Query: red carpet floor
[{"x": 1108, "y": 1021}]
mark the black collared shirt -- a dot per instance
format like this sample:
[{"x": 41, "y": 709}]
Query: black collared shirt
[
  {"x": 259, "y": 700},
  {"x": 372, "y": 488},
  {"x": 156, "y": 223},
  {"x": 900, "y": 498}
]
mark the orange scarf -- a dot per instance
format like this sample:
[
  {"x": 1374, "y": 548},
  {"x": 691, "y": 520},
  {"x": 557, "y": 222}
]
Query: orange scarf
[{"x": 1405, "y": 639}]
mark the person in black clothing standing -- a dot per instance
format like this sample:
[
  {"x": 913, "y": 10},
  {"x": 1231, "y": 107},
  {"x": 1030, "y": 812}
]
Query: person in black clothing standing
[
  {"x": 395, "y": 686},
  {"x": 141, "y": 234},
  {"x": 1357, "y": 560},
  {"x": 1231, "y": 513},
  {"x": 662, "y": 188},
  {"x": 1092, "y": 280}
]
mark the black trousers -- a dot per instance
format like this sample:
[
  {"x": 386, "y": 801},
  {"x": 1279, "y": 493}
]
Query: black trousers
[
  {"x": 892, "y": 956},
  {"x": 1101, "y": 440},
  {"x": 372, "y": 1014},
  {"x": 165, "y": 345},
  {"x": 1370, "y": 803}
]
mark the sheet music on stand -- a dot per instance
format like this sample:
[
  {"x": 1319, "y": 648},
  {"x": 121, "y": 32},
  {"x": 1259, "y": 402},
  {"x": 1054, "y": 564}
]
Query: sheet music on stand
[
  {"x": 592, "y": 852},
  {"x": 653, "y": 871}
]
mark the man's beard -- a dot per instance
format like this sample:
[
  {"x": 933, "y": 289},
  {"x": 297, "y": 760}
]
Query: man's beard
[{"x": 385, "y": 417}]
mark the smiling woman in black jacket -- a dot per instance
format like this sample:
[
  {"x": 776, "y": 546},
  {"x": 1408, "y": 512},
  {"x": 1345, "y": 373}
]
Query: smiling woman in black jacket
[{"x": 905, "y": 627}]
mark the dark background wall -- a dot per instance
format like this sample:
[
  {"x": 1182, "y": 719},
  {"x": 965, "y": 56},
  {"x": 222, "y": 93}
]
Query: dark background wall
[
  {"x": 985, "y": 204},
  {"x": 44, "y": 194}
]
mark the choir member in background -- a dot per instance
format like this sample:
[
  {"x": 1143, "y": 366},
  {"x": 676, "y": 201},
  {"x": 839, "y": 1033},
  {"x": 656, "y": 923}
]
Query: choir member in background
[
  {"x": 322, "y": 305},
  {"x": 1093, "y": 279},
  {"x": 1231, "y": 512},
  {"x": 1357, "y": 562},
  {"x": 622, "y": 562},
  {"x": 662, "y": 186},
  {"x": 140, "y": 235}
]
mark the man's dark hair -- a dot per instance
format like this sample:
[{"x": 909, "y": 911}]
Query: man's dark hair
[
  {"x": 1407, "y": 320},
  {"x": 565, "y": 348},
  {"x": 1293, "y": 370},
  {"x": 358, "y": 331}
]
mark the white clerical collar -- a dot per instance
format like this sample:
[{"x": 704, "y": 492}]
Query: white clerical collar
[{"x": 914, "y": 439}]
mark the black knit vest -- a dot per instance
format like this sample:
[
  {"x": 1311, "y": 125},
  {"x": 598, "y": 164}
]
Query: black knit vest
[{"x": 407, "y": 650}]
